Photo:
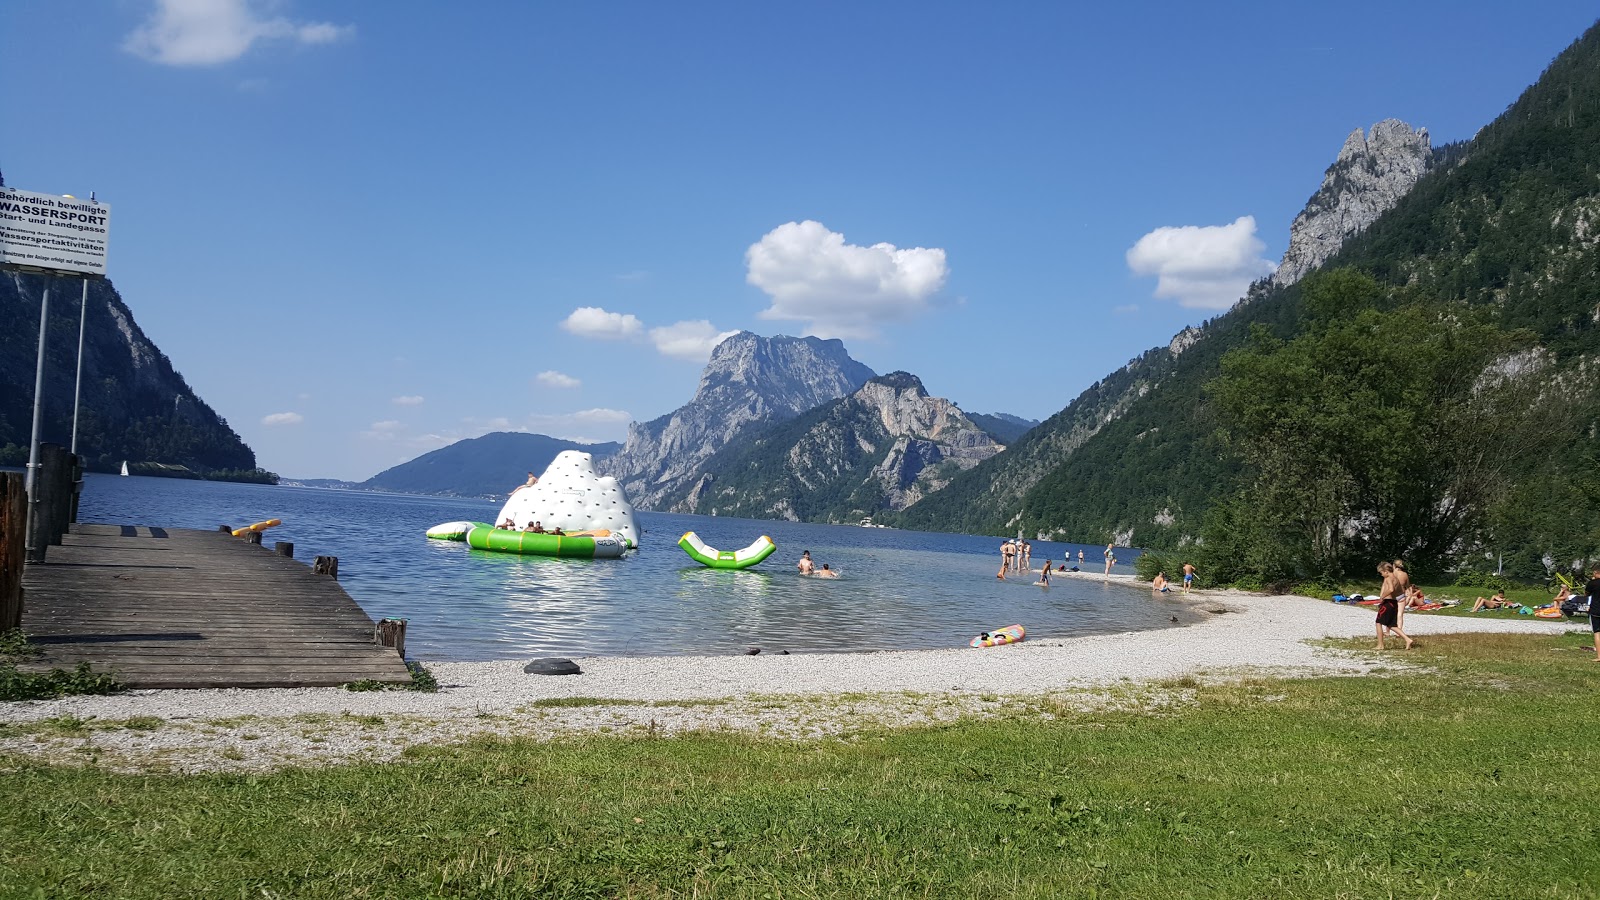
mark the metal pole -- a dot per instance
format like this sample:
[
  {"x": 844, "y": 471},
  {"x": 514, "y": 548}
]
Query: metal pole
[
  {"x": 33, "y": 443},
  {"x": 77, "y": 387}
]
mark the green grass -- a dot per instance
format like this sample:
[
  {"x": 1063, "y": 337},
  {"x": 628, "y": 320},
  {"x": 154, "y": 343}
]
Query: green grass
[{"x": 1473, "y": 777}]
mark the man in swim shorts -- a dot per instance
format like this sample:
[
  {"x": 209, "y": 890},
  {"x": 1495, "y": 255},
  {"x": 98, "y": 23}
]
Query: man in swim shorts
[
  {"x": 1389, "y": 599},
  {"x": 1188, "y": 576},
  {"x": 1593, "y": 590}
]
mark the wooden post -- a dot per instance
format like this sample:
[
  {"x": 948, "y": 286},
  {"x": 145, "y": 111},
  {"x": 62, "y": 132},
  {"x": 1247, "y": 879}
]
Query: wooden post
[
  {"x": 284, "y": 548},
  {"x": 326, "y": 565},
  {"x": 252, "y": 537},
  {"x": 227, "y": 528},
  {"x": 45, "y": 502},
  {"x": 77, "y": 487},
  {"x": 13, "y": 518},
  {"x": 391, "y": 633}
]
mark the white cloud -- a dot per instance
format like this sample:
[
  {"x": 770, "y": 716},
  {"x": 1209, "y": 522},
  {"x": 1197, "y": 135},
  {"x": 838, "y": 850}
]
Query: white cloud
[
  {"x": 594, "y": 322},
  {"x": 387, "y": 430},
  {"x": 283, "y": 418},
  {"x": 412, "y": 400},
  {"x": 688, "y": 340},
  {"x": 1202, "y": 266},
  {"x": 842, "y": 290},
  {"x": 602, "y": 415},
  {"x": 211, "y": 32},
  {"x": 557, "y": 380}
]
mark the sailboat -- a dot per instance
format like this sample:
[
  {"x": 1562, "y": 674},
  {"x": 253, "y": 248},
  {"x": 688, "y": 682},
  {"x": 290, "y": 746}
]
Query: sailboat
[{"x": 124, "y": 468}]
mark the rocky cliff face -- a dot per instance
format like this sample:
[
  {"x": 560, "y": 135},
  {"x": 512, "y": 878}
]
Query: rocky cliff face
[
  {"x": 134, "y": 405},
  {"x": 881, "y": 448},
  {"x": 750, "y": 381},
  {"x": 1372, "y": 173}
]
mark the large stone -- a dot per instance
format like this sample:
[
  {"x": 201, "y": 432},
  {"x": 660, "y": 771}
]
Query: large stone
[{"x": 552, "y": 665}]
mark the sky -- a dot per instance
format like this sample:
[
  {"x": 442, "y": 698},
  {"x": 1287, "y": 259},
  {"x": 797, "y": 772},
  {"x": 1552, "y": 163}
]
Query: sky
[{"x": 363, "y": 231}]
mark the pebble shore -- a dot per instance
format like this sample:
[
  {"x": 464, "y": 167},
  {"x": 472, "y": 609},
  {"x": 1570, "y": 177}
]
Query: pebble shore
[{"x": 790, "y": 696}]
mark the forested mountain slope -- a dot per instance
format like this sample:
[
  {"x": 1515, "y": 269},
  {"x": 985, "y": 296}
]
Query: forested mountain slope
[
  {"x": 134, "y": 405},
  {"x": 491, "y": 465},
  {"x": 1508, "y": 228}
]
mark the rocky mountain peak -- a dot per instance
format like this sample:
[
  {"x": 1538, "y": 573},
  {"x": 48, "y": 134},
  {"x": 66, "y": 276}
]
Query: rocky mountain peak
[
  {"x": 750, "y": 380},
  {"x": 1372, "y": 172}
]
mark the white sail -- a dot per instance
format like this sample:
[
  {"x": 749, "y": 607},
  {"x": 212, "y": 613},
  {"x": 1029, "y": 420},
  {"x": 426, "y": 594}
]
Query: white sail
[{"x": 124, "y": 467}]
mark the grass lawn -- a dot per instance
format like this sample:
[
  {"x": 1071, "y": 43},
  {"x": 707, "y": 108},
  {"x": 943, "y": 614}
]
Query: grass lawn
[{"x": 1474, "y": 778}]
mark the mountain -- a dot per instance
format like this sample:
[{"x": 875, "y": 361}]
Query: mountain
[
  {"x": 134, "y": 404},
  {"x": 750, "y": 381},
  {"x": 1506, "y": 226},
  {"x": 880, "y": 448},
  {"x": 1003, "y": 427},
  {"x": 491, "y": 465}
]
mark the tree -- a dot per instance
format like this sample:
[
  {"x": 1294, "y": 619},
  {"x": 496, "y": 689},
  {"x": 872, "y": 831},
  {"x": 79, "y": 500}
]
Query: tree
[{"x": 1378, "y": 435}]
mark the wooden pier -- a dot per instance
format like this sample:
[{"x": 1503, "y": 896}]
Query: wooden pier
[{"x": 182, "y": 608}]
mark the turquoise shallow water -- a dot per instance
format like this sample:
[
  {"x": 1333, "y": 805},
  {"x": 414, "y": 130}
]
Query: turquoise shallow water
[{"x": 898, "y": 590}]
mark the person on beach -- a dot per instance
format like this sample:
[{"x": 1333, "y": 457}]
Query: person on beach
[
  {"x": 1111, "y": 558},
  {"x": 1593, "y": 590},
  {"x": 1080, "y": 559},
  {"x": 826, "y": 572},
  {"x": 1389, "y": 613},
  {"x": 1025, "y": 559},
  {"x": 1188, "y": 576},
  {"x": 1159, "y": 584},
  {"x": 1495, "y": 602},
  {"x": 1044, "y": 575}
]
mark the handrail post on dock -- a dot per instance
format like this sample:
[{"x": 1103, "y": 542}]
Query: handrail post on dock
[
  {"x": 326, "y": 565},
  {"x": 391, "y": 633},
  {"x": 284, "y": 548}
]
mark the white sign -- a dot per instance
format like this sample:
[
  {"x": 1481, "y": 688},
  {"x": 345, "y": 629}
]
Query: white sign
[{"x": 57, "y": 234}]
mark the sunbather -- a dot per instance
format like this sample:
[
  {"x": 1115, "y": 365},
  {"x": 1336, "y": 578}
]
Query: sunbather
[{"x": 1496, "y": 602}]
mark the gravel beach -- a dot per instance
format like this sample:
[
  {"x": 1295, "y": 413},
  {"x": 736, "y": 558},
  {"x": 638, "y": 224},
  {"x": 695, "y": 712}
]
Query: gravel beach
[{"x": 798, "y": 695}]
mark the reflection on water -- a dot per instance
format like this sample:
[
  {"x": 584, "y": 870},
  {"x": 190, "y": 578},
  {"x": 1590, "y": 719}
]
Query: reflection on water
[{"x": 896, "y": 590}]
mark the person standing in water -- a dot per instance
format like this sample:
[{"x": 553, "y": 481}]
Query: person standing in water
[
  {"x": 1044, "y": 575},
  {"x": 805, "y": 566}
]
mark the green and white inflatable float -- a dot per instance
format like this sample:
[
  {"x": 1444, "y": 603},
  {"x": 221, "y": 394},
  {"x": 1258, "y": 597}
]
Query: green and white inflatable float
[{"x": 707, "y": 555}]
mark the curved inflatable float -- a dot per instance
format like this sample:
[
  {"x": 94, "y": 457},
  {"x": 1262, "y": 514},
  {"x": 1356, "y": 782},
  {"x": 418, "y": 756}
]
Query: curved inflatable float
[
  {"x": 454, "y": 531},
  {"x": 706, "y": 555},
  {"x": 589, "y": 545},
  {"x": 1000, "y": 636},
  {"x": 259, "y": 526}
]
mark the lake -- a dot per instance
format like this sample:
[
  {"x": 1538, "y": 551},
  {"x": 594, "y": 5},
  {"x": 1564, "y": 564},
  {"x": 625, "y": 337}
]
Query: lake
[{"x": 898, "y": 589}]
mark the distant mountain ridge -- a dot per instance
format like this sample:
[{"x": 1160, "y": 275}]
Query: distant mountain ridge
[
  {"x": 488, "y": 466},
  {"x": 880, "y": 448},
  {"x": 750, "y": 381}
]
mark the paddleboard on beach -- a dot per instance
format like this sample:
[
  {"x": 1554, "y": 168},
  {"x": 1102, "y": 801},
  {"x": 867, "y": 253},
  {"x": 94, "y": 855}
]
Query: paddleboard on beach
[{"x": 1007, "y": 635}]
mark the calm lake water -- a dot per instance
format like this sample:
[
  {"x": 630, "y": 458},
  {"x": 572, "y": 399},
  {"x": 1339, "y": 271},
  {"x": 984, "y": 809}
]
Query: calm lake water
[{"x": 897, "y": 590}]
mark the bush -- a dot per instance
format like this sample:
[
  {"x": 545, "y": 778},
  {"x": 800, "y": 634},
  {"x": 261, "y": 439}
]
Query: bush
[{"x": 1152, "y": 561}]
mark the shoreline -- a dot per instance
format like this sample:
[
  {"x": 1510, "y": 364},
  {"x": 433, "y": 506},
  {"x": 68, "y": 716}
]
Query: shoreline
[{"x": 800, "y": 695}]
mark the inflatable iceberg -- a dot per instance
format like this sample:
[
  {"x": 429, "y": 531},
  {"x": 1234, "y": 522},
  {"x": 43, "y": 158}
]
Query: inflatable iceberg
[{"x": 591, "y": 511}]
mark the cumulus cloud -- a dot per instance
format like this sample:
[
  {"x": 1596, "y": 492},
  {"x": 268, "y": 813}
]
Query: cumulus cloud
[
  {"x": 283, "y": 418},
  {"x": 411, "y": 400},
  {"x": 594, "y": 322},
  {"x": 387, "y": 430},
  {"x": 556, "y": 379},
  {"x": 1202, "y": 266},
  {"x": 211, "y": 32},
  {"x": 577, "y": 426},
  {"x": 688, "y": 340},
  {"x": 840, "y": 289},
  {"x": 602, "y": 415}
]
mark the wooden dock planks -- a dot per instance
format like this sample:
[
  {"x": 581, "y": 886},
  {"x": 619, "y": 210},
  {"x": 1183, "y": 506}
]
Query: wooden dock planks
[{"x": 182, "y": 608}]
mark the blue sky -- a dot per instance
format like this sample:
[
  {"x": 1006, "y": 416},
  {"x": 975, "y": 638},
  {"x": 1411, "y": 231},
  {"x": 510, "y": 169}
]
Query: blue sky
[{"x": 366, "y": 230}]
